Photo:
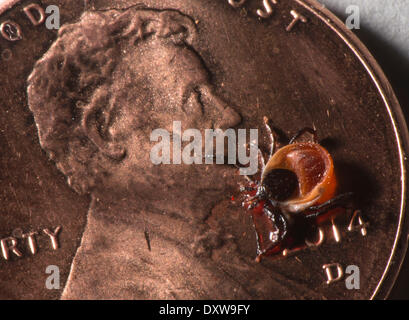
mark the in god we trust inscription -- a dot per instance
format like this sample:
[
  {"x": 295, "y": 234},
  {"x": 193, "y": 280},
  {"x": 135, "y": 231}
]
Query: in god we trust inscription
[{"x": 79, "y": 105}]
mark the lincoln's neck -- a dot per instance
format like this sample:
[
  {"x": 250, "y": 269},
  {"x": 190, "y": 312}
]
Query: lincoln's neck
[
  {"x": 177, "y": 202},
  {"x": 115, "y": 248},
  {"x": 178, "y": 221},
  {"x": 189, "y": 258}
]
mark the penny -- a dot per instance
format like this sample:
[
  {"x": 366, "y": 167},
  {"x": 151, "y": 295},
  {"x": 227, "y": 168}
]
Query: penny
[{"x": 81, "y": 197}]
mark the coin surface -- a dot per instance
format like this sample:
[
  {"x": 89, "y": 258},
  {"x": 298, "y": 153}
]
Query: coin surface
[{"x": 81, "y": 197}]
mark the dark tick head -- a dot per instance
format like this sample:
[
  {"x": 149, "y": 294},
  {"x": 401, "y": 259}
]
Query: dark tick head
[{"x": 280, "y": 184}]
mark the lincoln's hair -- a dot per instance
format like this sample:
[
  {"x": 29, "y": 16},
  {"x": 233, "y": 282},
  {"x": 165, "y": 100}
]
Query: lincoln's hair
[{"x": 73, "y": 79}]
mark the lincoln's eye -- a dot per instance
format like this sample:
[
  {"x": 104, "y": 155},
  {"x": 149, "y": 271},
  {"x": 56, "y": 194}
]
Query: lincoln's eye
[{"x": 280, "y": 184}]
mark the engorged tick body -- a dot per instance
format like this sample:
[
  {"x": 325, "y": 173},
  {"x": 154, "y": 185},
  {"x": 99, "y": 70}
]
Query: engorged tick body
[{"x": 294, "y": 194}]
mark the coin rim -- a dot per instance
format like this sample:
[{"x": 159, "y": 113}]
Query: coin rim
[{"x": 400, "y": 245}]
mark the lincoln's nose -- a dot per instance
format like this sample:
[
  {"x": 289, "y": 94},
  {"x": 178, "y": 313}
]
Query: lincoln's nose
[
  {"x": 229, "y": 119},
  {"x": 226, "y": 116}
]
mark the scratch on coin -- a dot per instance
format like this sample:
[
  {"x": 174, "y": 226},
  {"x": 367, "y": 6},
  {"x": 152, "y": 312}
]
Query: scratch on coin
[
  {"x": 226, "y": 32},
  {"x": 148, "y": 240}
]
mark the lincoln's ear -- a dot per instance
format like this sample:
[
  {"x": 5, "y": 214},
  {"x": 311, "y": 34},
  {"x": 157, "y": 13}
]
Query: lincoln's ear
[{"x": 89, "y": 124}]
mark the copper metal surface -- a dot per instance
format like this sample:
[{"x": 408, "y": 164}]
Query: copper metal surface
[{"x": 64, "y": 164}]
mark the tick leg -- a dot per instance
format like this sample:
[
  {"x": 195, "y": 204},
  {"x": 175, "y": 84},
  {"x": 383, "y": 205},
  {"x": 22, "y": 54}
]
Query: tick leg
[
  {"x": 337, "y": 202},
  {"x": 261, "y": 161},
  {"x": 245, "y": 176},
  {"x": 247, "y": 188},
  {"x": 304, "y": 131},
  {"x": 273, "y": 136},
  {"x": 274, "y": 235},
  {"x": 259, "y": 251},
  {"x": 253, "y": 202}
]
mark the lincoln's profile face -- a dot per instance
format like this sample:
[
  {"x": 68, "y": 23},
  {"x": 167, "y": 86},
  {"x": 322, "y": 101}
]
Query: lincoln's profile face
[
  {"x": 97, "y": 96},
  {"x": 105, "y": 84}
]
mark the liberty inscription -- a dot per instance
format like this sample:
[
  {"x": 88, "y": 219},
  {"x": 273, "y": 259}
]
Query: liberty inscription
[
  {"x": 268, "y": 10},
  {"x": 13, "y": 245}
]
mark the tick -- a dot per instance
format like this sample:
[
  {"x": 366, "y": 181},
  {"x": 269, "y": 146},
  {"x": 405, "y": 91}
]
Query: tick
[{"x": 294, "y": 194}]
